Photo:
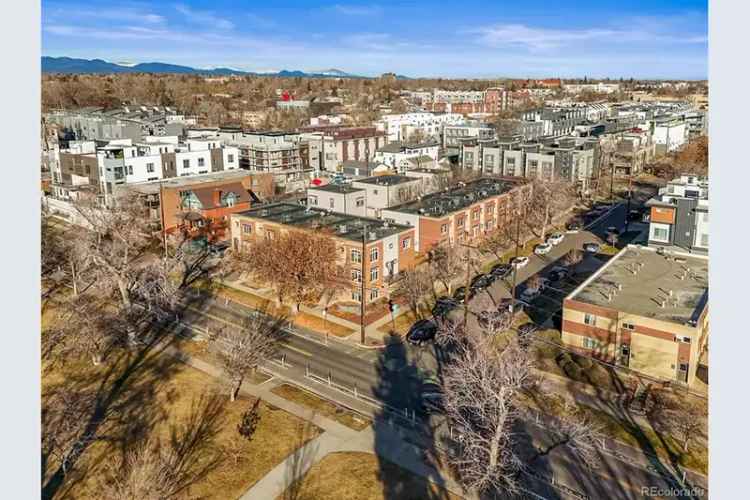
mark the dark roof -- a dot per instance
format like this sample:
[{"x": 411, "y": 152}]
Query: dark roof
[
  {"x": 336, "y": 188},
  {"x": 344, "y": 226},
  {"x": 387, "y": 180},
  {"x": 451, "y": 200}
]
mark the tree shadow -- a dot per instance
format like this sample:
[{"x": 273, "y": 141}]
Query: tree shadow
[
  {"x": 403, "y": 432},
  {"x": 121, "y": 405},
  {"x": 299, "y": 462}
]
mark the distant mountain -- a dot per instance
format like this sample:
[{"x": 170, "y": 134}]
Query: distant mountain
[{"x": 97, "y": 66}]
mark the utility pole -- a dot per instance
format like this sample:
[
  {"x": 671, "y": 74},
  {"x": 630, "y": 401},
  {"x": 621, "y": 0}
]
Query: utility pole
[{"x": 362, "y": 287}]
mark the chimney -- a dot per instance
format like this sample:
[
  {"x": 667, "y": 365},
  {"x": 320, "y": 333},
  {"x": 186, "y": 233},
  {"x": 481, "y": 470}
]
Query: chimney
[{"x": 216, "y": 197}]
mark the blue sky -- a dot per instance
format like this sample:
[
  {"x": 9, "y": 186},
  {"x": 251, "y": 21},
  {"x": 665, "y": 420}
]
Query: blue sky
[{"x": 470, "y": 38}]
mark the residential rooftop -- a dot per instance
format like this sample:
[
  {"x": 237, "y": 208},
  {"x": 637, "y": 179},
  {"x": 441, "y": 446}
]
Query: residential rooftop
[
  {"x": 398, "y": 147},
  {"x": 349, "y": 227},
  {"x": 386, "y": 180},
  {"x": 336, "y": 188},
  {"x": 149, "y": 187},
  {"x": 648, "y": 279},
  {"x": 466, "y": 194}
]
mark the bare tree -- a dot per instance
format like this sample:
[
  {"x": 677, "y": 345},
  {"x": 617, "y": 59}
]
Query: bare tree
[
  {"x": 119, "y": 246},
  {"x": 413, "y": 286},
  {"x": 66, "y": 420},
  {"x": 547, "y": 201},
  {"x": 240, "y": 352},
  {"x": 686, "y": 421},
  {"x": 500, "y": 240},
  {"x": 445, "y": 262},
  {"x": 578, "y": 434},
  {"x": 573, "y": 257},
  {"x": 480, "y": 387},
  {"x": 156, "y": 470},
  {"x": 298, "y": 264}
]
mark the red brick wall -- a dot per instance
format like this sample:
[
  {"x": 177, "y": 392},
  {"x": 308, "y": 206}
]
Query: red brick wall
[{"x": 590, "y": 308}]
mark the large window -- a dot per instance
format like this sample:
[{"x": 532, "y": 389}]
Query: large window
[
  {"x": 356, "y": 256},
  {"x": 185, "y": 163},
  {"x": 374, "y": 254},
  {"x": 444, "y": 229},
  {"x": 247, "y": 228},
  {"x": 589, "y": 319},
  {"x": 357, "y": 275},
  {"x": 230, "y": 158},
  {"x": 660, "y": 232},
  {"x": 149, "y": 167},
  {"x": 590, "y": 343},
  {"x": 201, "y": 162},
  {"x": 374, "y": 274}
]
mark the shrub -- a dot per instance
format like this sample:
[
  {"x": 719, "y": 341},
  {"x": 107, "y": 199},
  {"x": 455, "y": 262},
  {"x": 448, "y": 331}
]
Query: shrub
[
  {"x": 573, "y": 371},
  {"x": 584, "y": 362}
]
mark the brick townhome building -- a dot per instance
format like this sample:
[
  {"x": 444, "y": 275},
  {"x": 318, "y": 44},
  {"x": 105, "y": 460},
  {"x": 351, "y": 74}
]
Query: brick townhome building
[
  {"x": 462, "y": 214},
  {"x": 645, "y": 310},
  {"x": 379, "y": 248}
]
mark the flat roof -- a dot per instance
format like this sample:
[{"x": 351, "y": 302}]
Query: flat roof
[
  {"x": 443, "y": 203},
  {"x": 148, "y": 187},
  {"x": 345, "y": 226},
  {"x": 386, "y": 180},
  {"x": 336, "y": 188},
  {"x": 642, "y": 293}
]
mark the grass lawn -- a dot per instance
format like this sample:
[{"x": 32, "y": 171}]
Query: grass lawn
[
  {"x": 315, "y": 323},
  {"x": 639, "y": 437},
  {"x": 403, "y": 323},
  {"x": 150, "y": 394},
  {"x": 363, "y": 476},
  {"x": 322, "y": 407}
]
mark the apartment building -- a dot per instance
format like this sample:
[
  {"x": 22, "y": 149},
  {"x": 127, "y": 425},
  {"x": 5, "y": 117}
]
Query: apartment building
[
  {"x": 599, "y": 88},
  {"x": 400, "y": 127},
  {"x": 372, "y": 250},
  {"x": 644, "y": 310},
  {"x": 397, "y": 155},
  {"x": 454, "y": 135},
  {"x": 669, "y": 134},
  {"x": 128, "y": 122},
  {"x": 331, "y": 146},
  {"x": 557, "y": 121},
  {"x": 630, "y": 151},
  {"x": 465, "y": 213},
  {"x": 200, "y": 206},
  {"x": 100, "y": 169},
  {"x": 466, "y": 102},
  {"x": 366, "y": 197},
  {"x": 567, "y": 159},
  {"x": 678, "y": 218}
]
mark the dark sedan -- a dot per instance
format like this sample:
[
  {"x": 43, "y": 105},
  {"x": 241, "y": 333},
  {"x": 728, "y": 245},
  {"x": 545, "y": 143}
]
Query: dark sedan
[
  {"x": 444, "y": 305},
  {"x": 422, "y": 331},
  {"x": 481, "y": 282},
  {"x": 500, "y": 271}
]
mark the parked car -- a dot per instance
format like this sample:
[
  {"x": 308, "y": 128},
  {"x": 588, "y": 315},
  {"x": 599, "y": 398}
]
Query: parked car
[
  {"x": 574, "y": 226},
  {"x": 433, "y": 402},
  {"x": 460, "y": 294},
  {"x": 443, "y": 305},
  {"x": 519, "y": 262},
  {"x": 481, "y": 282},
  {"x": 555, "y": 238},
  {"x": 592, "y": 247},
  {"x": 542, "y": 248},
  {"x": 500, "y": 271},
  {"x": 422, "y": 331},
  {"x": 635, "y": 215}
]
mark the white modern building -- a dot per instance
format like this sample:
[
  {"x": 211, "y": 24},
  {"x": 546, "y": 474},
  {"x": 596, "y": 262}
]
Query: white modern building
[
  {"x": 396, "y": 155},
  {"x": 400, "y": 127}
]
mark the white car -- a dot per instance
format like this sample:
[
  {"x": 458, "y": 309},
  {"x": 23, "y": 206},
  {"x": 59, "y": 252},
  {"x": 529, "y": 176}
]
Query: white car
[
  {"x": 519, "y": 261},
  {"x": 542, "y": 248},
  {"x": 555, "y": 238}
]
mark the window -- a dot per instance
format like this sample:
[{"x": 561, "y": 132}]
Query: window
[
  {"x": 356, "y": 296},
  {"x": 130, "y": 169},
  {"x": 374, "y": 274},
  {"x": 150, "y": 168},
  {"x": 460, "y": 222},
  {"x": 683, "y": 367},
  {"x": 153, "y": 178},
  {"x": 660, "y": 232},
  {"x": 373, "y": 254},
  {"x": 357, "y": 275},
  {"x": 704, "y": 240},
  {"x": 374, "y": 191},
  {"x": 201, "y": 162},
  {"x": 628, "y": 326},
  {"x": 374, "y": 294},
  {"x": 489, "y": 161},
  {"x": 444, "y": 229},
  {"x": 230, "y": 158},
  {"x": 356, "y": 256},
  {"x": 390, "y": 246},
  {"x": 476, "y": 214},
  {"x": 185, "y": 163},
  {"x": 590, "y": 343},
  {"x": 331, "y": 203},
  {"x": 686, "y": 340},
  {"x": 360, "y": 202},
  {"x": 313, "y": 200},
  {"x": 589, "y": 319}
]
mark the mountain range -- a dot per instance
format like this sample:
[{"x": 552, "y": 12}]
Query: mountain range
[{"x": 70, "y": 65}]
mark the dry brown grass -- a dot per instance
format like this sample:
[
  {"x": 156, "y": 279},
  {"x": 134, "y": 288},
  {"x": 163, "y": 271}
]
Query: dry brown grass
[
  {"x": 164, "y": 391},
  {"x": 322, "y": 407},
  {"x": 363, "y": 476},
  {"x": 403, "y": 323},
  {"x": 317, "y": 324}
]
